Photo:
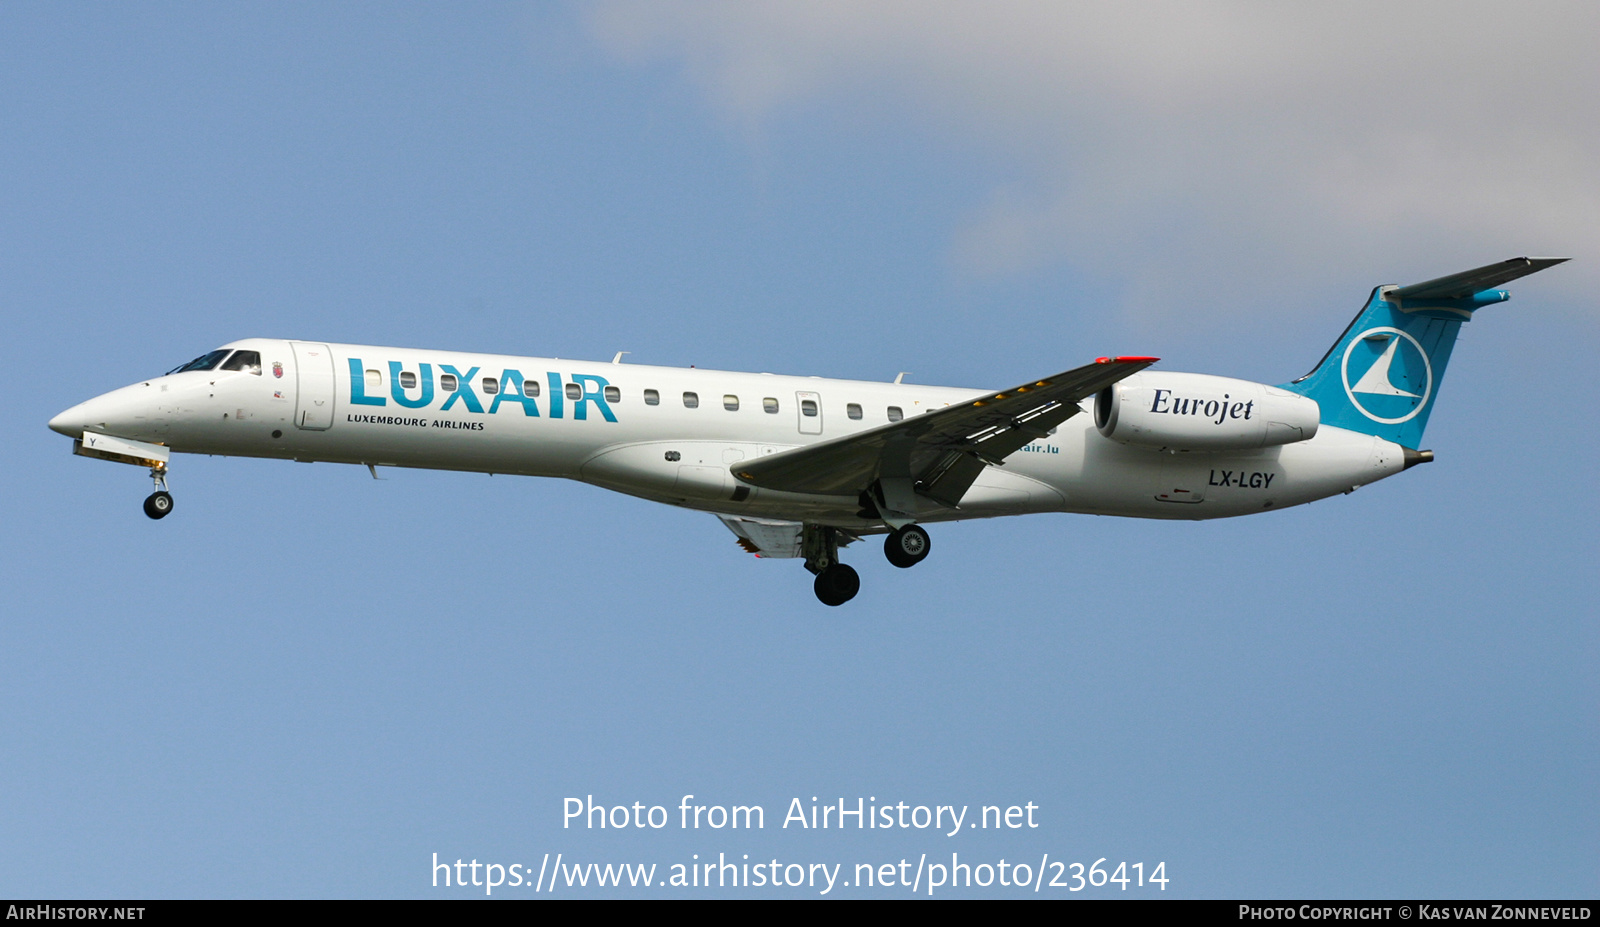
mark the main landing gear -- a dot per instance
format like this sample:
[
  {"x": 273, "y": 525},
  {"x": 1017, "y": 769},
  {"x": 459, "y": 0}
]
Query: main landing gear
[
  {"x": 838, "y": 583},
  {"x": 159, "y": 503},
  {"x": 907, "y": 547}
]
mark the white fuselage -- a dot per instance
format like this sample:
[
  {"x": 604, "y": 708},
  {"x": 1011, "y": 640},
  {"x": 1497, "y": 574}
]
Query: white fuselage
[{"x": 591, "y": 422}]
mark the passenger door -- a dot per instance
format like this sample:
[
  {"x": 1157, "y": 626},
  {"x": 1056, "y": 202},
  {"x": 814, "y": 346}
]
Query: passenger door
[{"x": 313, "y": 399}]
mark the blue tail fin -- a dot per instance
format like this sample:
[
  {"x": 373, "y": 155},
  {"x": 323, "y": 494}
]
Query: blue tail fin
[{"x": 1381, "y": 376}]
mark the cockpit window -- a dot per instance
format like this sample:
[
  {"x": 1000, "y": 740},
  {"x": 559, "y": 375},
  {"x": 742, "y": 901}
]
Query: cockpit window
[
  {"x": 247, "y": 361},
  {"x": 205, "y": 362}
]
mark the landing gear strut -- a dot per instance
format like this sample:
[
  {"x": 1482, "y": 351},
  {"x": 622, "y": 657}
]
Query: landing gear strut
[
  {"x": 907, "y": 547},
  {"x": 159, "y": 503},
  {"x": 836, "y": 582}
]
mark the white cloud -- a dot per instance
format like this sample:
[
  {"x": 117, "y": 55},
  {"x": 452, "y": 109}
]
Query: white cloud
[{"x": 1196, "y": 144}]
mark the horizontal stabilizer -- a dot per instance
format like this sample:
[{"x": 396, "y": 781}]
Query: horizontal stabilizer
[{"x": 1468, "y": 282}]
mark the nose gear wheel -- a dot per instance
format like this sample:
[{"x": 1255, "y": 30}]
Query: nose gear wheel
[{"x": 158, "y": 504}]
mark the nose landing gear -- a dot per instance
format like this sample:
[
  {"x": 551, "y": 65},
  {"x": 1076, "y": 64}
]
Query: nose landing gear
[{"x": 159, "y": 503}]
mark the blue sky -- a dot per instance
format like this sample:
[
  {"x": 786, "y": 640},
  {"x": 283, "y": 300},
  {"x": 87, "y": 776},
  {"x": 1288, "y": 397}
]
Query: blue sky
[{"x": 305, "y": 682}]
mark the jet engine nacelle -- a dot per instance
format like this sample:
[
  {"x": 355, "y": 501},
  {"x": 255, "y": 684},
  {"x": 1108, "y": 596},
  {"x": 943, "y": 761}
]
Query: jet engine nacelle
[{"x": 1195, "y": 412}]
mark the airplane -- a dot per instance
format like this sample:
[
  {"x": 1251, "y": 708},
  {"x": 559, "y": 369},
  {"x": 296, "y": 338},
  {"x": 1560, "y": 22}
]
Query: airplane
[{"x": 799, "y": 467}]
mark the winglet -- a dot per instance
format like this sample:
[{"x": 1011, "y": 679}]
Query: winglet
[{"x": 1128, "y": 359}]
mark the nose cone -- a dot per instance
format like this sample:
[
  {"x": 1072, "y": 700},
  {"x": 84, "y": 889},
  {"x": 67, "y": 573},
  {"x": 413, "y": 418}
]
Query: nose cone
[
  {"x": 71, "y": 422},
  {"x": 123, "y": 412}
]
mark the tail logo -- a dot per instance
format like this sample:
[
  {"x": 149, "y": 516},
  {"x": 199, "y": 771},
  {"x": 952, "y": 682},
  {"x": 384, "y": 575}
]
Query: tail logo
[{"x": 1387, "y": 395}]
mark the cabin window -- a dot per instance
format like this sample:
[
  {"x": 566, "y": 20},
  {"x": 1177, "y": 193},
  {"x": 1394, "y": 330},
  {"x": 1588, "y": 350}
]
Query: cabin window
[
  {"x": 652, "y": 397},
  {"x": 853, "y": 410},
  {"x": 808, "y": 408},
  {"x": 408, "y": 380},
  {"x": 613, "y": 394},
  {"x": 245, "y": 361},
  {"x": 691, "y": 400},
  {"x": 490, "y": 386},
  {"x": 530, "y": 388},
  {"x": 895, "y": 414},
  {"x": 374, "y": 380},
  {"x": 730, "y": 402},
  {"x": 447, "y": 382},
  {"x": 770, "y": 405},
  {"x": 573, "y": 391}
]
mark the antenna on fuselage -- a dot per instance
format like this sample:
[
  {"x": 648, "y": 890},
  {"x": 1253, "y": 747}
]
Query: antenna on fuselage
[
  {"x": 900, "y": 377},
  {"x": 618, "y": 358}
]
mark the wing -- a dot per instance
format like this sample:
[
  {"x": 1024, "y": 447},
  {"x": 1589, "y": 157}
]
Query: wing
[{"x": 939, "y": 453}]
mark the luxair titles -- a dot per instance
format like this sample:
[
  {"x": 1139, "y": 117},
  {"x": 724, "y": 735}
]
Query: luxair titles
[{"x": 416, "y": 391}]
